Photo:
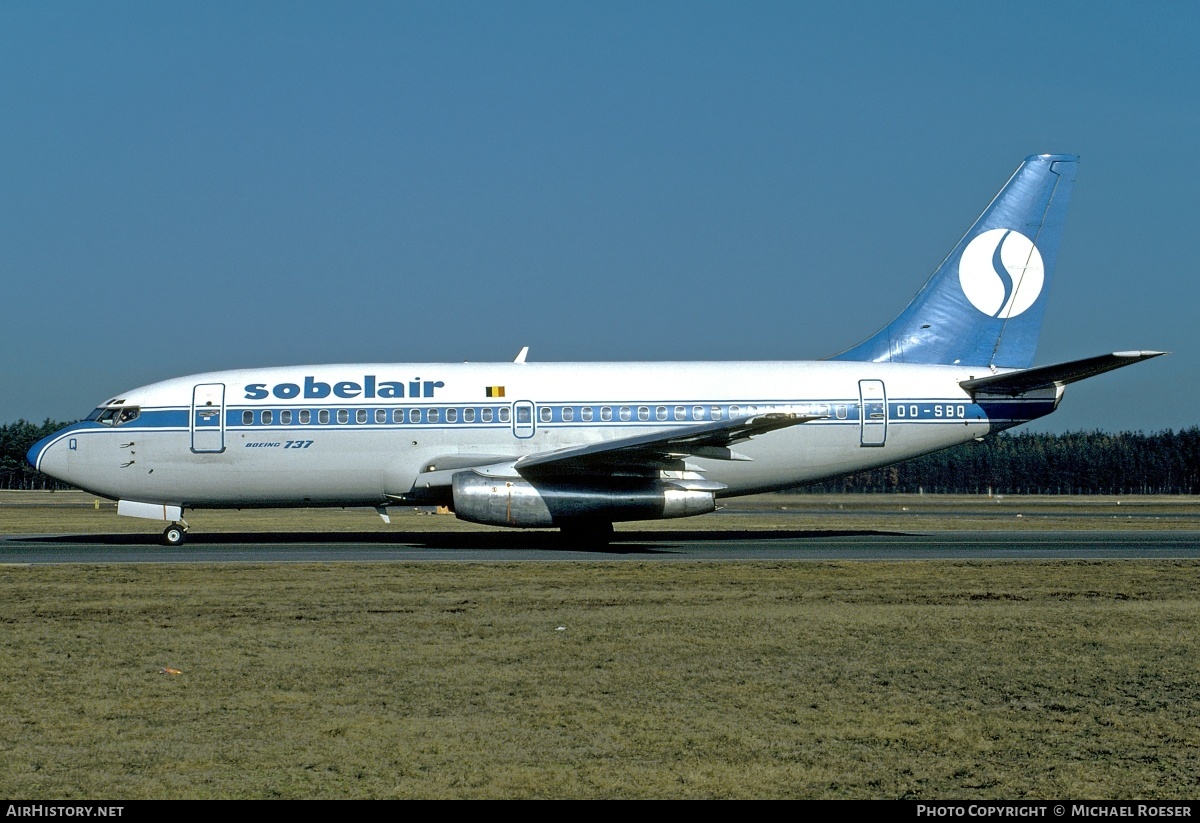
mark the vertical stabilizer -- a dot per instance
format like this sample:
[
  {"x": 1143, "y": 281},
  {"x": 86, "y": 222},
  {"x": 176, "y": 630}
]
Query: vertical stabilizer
[{"x": 984, "y": 304}]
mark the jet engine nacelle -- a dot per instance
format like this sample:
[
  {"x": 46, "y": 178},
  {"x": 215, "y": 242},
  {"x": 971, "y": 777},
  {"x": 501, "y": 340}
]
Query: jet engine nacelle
[{"x": 517, "y": 502}]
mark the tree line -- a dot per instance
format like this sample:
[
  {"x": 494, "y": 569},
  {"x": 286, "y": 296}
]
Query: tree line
[
  {"x": 1096, "y": 462},
  {"x": 15, "y": 440},
  {"x": 1093, "y": 462}
]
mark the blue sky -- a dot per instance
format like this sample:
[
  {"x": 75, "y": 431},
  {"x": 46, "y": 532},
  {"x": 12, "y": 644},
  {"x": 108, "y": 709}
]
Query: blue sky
[{"x": 188, "y": 187}]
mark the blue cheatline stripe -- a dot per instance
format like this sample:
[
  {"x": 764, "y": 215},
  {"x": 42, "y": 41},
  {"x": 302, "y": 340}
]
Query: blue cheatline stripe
[
  {"x": 620, "y": 414},
  {"x": 558, "y": 414},
  {"x": 840, "y": 411}
]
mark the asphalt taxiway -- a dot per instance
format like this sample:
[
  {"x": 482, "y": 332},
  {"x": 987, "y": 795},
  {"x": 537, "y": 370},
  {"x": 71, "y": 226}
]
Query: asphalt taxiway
[{"x": 503, "y": 547}]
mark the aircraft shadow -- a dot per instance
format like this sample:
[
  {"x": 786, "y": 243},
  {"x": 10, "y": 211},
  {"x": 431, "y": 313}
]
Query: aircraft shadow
[{"x": 623, "y": 543}]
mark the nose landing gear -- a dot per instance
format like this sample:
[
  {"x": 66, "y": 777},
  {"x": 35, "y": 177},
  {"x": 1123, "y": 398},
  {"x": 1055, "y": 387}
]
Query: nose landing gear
[{"x": 175, "y": 534}]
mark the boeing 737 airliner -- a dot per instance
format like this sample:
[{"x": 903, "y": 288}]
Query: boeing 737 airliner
[{"x": 580, "y": 446}]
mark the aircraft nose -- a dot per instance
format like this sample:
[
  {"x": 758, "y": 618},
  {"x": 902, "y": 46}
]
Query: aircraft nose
[{"x": 49, "y": 455}]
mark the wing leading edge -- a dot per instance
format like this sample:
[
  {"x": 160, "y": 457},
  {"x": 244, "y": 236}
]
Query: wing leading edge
[{"x": 659, "y": 450}]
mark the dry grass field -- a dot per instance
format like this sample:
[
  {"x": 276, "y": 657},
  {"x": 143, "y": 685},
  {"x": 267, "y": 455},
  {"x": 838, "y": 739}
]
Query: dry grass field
[{"x": 621, "y": 679}]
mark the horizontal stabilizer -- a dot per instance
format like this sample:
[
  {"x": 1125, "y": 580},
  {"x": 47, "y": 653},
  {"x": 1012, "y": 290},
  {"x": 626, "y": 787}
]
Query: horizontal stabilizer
[{"x": 1019, "y": 382}]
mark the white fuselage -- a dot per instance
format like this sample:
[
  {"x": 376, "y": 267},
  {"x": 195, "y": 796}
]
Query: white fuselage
[{"x": 364, "y": 434}]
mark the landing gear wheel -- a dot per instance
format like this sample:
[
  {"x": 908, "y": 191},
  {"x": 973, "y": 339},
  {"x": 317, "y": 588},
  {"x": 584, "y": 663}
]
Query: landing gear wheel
[{"x": 174, "y": 536}]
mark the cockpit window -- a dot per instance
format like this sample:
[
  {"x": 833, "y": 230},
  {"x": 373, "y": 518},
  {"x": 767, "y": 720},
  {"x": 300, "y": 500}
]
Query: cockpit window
[{"x": 115, "y": 415}]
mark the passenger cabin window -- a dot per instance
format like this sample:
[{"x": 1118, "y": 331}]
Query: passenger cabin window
[
  {"x": 323, "y": 416},
  {"x": 697, "y": 412},
  {"x": 585, "y": 414},
  {"x": 716, "y": 412},
  {"x": 360, "y": 416},
  {"x": 267, "y": 417},
  {"x": 660, "y": 412},
  {"x": 486, "y": 415},
  {"x": 643, "y": 412},
  {"x": 568, "y": 413},
  {"x": 504, "y": 415},
  {"x": 451, "y": 415},
  {"x": 247, "y": 418},
  {"x": 381, "y": 415},
  {"x": 468, "y": 415},
  {"x": 432, "y": 415},
  {"x": 397, "y": 415},
  {"x": 680, "y": 413},
  {"x": 285, "y": 417},
  {"x": 343, "y": 415},
  {"x": 606, "y": 413},
  {"x": 305, "y": 417},
  {"x": 626, "y": 413},
  {"x": 414, "y": 415},
  {"x": 546, "y": 413}
]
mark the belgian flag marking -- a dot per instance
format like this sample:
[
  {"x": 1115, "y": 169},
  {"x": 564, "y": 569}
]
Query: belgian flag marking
[{"x": 494, "y": 391}]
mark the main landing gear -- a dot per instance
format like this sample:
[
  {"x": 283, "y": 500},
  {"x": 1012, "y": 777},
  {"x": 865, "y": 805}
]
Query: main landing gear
[{"x": 175, "y": 534}]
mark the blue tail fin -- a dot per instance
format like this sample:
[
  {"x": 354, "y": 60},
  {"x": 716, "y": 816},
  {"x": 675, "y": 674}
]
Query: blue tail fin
[{"x": 984, "y": 304}]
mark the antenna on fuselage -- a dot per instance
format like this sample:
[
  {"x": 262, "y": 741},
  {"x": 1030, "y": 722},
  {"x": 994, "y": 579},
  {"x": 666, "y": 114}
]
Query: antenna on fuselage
[{"x": 520, "y": 358}]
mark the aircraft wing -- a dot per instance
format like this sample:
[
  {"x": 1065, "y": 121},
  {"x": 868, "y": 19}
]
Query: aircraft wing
[
  {"x": 660, "y": 449},
  {"x": 1019, "y": 382},
  {"x": 638, "y": 454}
]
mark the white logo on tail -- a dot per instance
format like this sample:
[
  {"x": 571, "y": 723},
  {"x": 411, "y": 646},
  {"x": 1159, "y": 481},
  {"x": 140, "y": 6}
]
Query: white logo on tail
[{"x": 1001, "y": 273}]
